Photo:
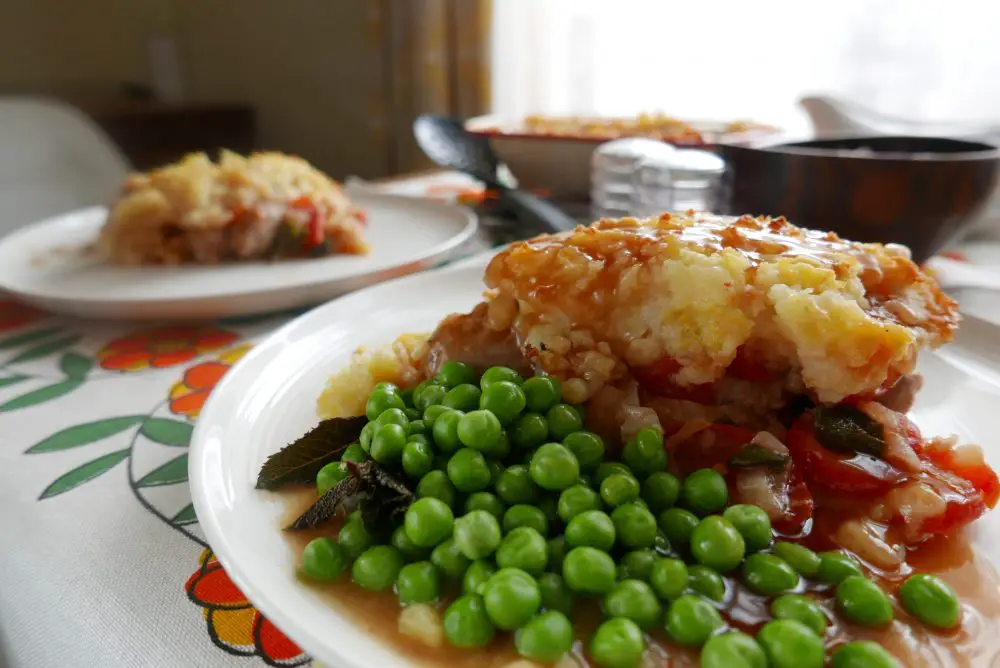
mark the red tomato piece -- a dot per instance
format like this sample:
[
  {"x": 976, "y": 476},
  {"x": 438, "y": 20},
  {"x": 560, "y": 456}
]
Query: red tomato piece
[
  {"x": 850, "y": 474},
  {"x": 980, "y": 475}
]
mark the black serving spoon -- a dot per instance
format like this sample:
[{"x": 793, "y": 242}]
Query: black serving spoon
[{"x": 449, "y": 144}]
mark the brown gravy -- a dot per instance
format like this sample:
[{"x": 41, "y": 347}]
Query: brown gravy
[{"x": 975, "y": 644}]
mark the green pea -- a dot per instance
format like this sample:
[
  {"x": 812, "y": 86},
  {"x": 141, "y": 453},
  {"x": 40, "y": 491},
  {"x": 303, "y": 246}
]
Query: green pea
[
  {"x": 485, "y": 501},
  {"x": 563, "y": 421},
  {"x": 541, "y": 393},
  {"x": 931, "y": 600},
  {"x": 412, "y": 414},
  {"x": 634, "y": 525},
  {"x": 445, "y": 431},
  {"x": 430, "y": 395},
  {"x": 418, "y": 583},
  {"x": 635, "y": 600},
  {"x": 801, "y": 558},
  {"x": 577, "y": 499},
  {"x": 704, "y": 492},
  {"x": 637, "y": 565},
  {"x": 835, "y": 566},
  {"x": 678, "y": 526},
  {"x": 330, "y": 476},
  {"x": 466, "y": 623},
  {"x": 669, "y": 578},
  {"x": 605, "y": 469},
  {"x": 479, "y": 429},
  {"x": 791, "y": 644},
  {"x": 418, "y": 458},
  {"x": 512, "y": 597},
  {"x": 355, "y": 538},
  {"x": 591, "y": 528},
  {"x": 468, "y": 471},
  {"x": 716, "y": 543},
  {"x": 428, "y": 521},
  {"x": 703, "y": 580},
  {"x": 644, "y": 454},
  {"x": 323, "y": 559},
  {"x": 504, "y": 399},
  {"x": 661, "y": 546},
  {"x": 661, "y": 491},
  {"x": 801, "y": 609},
  {"x": 376, "y": 568},
  {"x": 407, "y": 396},
  {"x": 555, "y": 594},
  {"x": 394, "y": 416},
  {"x": 691, "y": 620},
  {"x": 464, "y": 397},
  {"x": 477, "y": 534},
  {"x": 432, "y": 413},
  {"x": 449, "y": 560},
  {"x": 549, "y": 507},
  {"x": 410, "y": 550},
  {"x": 516, "y": 486},
  {"x": 862, "y": 654},
  {"x": 587, "y": 447},
  {"x": 496, "y": 374},
  {"x": 418, "y": 429},
  {"x": 476, "y": 575},
  {"x": 381, "y": 400},
  {"x": 545, "y": 638},
  {"x": 365, "y": 437},
  {"x": 769, "y": 574},
  {"x": 388, "y": 443},
  {"x": 732, "y": 650},
  {"x": 530, "y": 430},
  {"x": 437, "y": 485},
  {"x": 553, "y": 467},
  {"x": 752, "y": 523},
  {"x": 523, "y": 548},
  {"x": 523, "y": 515},
  {"x": 618, "y": 643},
  {"x": 354, "y": 453},
  {"x": 557, "y": 552},
  {"x": 588, "y": 570},
  {"x": 452, "y": 374},
  {"x": 619, "y": 488},
  {"x": 863, "y": 602}
]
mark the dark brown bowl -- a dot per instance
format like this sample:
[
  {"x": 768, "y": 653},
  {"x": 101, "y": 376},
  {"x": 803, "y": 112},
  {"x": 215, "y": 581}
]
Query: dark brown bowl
[{"x": 918, "y": 191}]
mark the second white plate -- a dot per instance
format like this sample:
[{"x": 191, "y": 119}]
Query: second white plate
[{"x": 45, "y": 264}]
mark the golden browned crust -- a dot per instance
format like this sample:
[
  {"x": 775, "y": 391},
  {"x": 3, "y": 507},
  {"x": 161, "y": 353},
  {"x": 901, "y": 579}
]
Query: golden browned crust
[{"x": 689, "y": 295}]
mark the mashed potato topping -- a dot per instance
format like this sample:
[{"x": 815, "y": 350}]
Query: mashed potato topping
[
  {"x": 263, "y": 206},
  {"x": 689, "y": 300}
]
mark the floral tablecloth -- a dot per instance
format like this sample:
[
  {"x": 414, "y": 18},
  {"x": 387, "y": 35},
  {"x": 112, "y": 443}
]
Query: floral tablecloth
[{"x": 103, "y": 563}]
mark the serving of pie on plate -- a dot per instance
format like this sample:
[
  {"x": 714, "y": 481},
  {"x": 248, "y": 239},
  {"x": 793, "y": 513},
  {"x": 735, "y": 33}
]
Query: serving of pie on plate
[
  {"x": 684, "y": 440},
  {"x": 265, "y": 206}
]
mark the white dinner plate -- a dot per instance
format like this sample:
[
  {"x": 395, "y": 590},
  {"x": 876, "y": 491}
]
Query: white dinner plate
[
  {"x": 268, "y": 399},
  {"x": 46, "y": 264}
]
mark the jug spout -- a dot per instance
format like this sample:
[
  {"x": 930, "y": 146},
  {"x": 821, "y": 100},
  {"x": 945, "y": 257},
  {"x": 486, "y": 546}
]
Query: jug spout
[{"x": 830, "y": 117}]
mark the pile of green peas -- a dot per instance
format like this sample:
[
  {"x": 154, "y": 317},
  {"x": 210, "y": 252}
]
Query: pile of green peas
[{"x": 519, "y": 513}]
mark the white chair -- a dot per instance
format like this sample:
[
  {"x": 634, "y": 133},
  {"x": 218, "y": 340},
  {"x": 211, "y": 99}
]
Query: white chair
[{"x": 53, "y": 159}]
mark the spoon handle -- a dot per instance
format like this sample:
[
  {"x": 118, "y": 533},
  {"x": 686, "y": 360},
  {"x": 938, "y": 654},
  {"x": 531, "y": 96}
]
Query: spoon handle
[{"x": 536, "y": 212}]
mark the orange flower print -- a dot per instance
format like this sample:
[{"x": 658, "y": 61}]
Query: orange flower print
[
  {"x": 14, "y": 314},
  {"x": 188, "y": 395},
  {"x": 233, "y": 623},
  {"x": 162, "y": 347}
]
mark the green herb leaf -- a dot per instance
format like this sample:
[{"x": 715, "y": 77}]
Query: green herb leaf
[
  {"x": 299, "y": 462},
  {"x": 381, "y": 497},
  {"x": 846, "y": 429},
  {"x": 756, "y": 455}
]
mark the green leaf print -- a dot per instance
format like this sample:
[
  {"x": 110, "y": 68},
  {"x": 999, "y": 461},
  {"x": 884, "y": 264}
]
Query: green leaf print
[
  {"x": 29, "y": 337},
  {"x": 185, "y": 516},
  {"x": 10, "y": 380},
  {"x": 174, "y": 471},
  {"x": 75, "y": 365},
  {"x": 46, "y": 348},
  {"x": 41, "y": 395},
  {"x": 84, "y": 434},
  {"x": 167, "y": 432},
  {"x": 84, "y": 473}
]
